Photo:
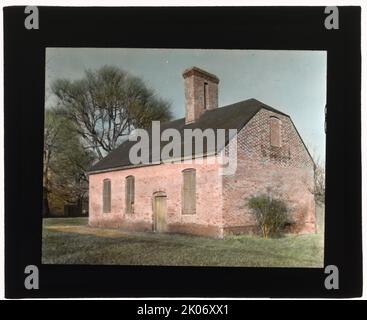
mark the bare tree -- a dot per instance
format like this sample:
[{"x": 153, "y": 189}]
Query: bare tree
[
  {"x": 318, "y": 188},
  {"x": 319, "y": 182},
  {"x": 106, "y": 105}
]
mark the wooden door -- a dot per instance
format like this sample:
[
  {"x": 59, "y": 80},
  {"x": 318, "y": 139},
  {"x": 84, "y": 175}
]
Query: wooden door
[{"x": 160, "y": 212}]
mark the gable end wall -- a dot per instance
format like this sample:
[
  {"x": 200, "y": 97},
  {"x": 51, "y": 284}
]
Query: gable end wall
[{"x": 286, "y": 171}]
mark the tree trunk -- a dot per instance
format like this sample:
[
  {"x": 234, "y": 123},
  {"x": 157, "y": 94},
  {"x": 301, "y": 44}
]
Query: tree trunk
[{"x": 45, "y": 205}]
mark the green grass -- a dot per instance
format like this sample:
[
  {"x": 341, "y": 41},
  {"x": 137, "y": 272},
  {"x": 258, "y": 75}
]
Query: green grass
[{"x": 71, "y": 241}]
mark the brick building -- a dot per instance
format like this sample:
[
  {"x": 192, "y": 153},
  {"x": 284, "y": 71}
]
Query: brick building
[{"x": 186, "y": 196}]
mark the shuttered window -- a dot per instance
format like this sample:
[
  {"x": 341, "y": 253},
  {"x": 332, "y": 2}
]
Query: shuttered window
[
  {"x": 130, "y": 194},
  {"x": 275, "y": 132},
  {"x": 106, "y": 196},
  {"x": 189, "y": 191}
]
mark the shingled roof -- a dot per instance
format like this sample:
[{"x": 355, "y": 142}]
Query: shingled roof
[{"x": 234, "y": 116}]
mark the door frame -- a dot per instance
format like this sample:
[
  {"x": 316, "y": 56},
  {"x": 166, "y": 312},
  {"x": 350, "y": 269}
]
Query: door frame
[{"x": 157, "y": 194}]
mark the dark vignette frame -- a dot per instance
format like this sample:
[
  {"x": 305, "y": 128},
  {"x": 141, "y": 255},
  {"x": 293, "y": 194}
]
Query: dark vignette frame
[{"x": 293, "y": 28}]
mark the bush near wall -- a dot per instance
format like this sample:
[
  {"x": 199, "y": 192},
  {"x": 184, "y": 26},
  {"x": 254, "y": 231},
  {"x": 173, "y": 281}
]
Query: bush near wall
[{"x": 272, "y": 214}]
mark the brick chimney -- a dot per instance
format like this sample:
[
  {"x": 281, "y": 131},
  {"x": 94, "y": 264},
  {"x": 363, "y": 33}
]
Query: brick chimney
[{"x": 201, "y": 92}]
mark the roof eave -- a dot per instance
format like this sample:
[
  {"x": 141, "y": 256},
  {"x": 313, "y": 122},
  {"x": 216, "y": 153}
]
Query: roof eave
[{"x": 133, "y": 166}]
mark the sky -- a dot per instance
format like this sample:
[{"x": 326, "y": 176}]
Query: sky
[{"x": 293, "y": 82}]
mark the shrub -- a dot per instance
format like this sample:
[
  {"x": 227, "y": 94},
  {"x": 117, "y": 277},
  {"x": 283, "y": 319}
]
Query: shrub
[{"x": 272, "y": 214}]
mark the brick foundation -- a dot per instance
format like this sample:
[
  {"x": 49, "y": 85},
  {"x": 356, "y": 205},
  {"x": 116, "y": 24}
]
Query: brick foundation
[{"x": 196, "y": 229}]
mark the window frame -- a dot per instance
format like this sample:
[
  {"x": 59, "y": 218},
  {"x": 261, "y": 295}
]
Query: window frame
[
  {"x": 107, "y": 196},
  {"x": 186, "y": 208},
  {"x": 275, "y": 121},
  {"x": 129, "y": 194}
]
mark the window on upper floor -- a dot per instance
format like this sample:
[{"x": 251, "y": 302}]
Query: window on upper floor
[{"x": 275, "y": 132}]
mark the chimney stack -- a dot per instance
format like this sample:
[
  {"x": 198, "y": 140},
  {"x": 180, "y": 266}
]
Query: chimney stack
[{"x": 201, "y": 93}]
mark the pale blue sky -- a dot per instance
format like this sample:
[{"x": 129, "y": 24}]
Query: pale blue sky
[{"x": 293, "y": 82}]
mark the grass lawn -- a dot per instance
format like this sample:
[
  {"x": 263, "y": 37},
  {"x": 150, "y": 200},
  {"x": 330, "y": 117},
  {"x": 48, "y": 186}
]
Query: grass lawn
[{"x": 71, "y": 241}]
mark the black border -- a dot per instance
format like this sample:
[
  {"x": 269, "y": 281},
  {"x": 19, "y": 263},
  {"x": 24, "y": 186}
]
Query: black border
[{"x": 295, "y": 28}]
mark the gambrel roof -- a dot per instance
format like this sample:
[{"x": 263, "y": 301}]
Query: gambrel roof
[{"x": 234, "y": 116}]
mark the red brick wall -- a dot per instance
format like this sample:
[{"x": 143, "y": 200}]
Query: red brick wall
[
  {"x": 148, "y": 180},
  {"x": 287, "y": 171}
]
